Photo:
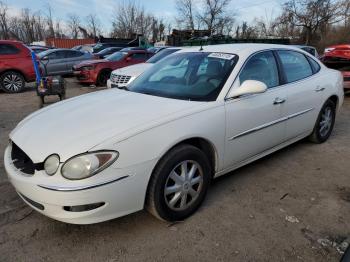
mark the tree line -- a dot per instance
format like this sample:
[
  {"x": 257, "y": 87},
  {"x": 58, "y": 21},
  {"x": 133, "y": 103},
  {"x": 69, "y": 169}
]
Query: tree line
[{"x": 312, "y": 22}]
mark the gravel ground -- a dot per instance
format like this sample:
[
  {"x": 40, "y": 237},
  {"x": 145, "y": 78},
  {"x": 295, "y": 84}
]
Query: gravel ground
[{"x": 293, "y": 205}]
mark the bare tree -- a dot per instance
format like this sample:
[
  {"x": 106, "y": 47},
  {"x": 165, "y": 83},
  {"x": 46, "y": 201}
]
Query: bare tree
[
  {"x": 93, "y": 25},
  {"x": 50, "y": 23},
  {"x": 4, "y": 34},
  {"x": 215, "y": 14},
  {"x": 131, "y": 19},
  {"x": 312, "y": 15},
  {"x": 73, "y": 25},
  {"x": 186, "y": 13}
]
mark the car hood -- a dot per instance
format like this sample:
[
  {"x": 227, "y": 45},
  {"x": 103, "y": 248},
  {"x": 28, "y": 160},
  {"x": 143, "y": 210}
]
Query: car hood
[
  {"x": 92, "y": 62},
  {"x": 78, "y": 124},
  {"x": 133, "y": 70}
]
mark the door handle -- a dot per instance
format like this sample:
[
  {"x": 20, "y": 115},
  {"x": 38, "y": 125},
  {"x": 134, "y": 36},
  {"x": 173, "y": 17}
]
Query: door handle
[
  {"x": 279, "y": 101},
  {"x": 319, "y": 89}
]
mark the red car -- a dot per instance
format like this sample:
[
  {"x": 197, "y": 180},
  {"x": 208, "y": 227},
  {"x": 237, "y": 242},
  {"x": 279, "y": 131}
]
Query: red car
[
  {"x": 98, "y": 71},
  {"x": 338, "y": 57},
  {"x": 16, "y": 66}
]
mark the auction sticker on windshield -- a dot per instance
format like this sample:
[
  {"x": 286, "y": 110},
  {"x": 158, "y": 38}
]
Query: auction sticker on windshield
[{"x": 222, "y": 56}]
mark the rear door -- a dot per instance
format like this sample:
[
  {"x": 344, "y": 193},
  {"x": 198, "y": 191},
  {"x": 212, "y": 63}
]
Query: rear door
[
  {"x": 72, "y": 57},
  {"x": 305, "y": 91}
]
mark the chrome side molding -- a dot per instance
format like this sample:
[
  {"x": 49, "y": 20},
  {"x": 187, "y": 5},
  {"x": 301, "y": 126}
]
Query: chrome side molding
[
  {"x": 275, "y": 122},
  {"x": 80, "y": 188}
]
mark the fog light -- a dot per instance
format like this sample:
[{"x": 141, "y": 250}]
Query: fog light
[
  {"x": 83, "y": 208},
  {"x": 51, "y": 164}
]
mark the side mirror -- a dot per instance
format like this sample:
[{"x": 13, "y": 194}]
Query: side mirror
[
  {"x": 45, "y": 58},
  {"x": 248, "y": 87},
  {"x": 128, "y": 59}
]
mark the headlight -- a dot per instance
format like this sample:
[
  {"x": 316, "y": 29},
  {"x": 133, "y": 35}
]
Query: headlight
[
  {"x": 86, "y": 68},
  {"x": 87, "y": 165},
  {"x": 327, "y": 50},
  {"x": 51, "y": 164}
]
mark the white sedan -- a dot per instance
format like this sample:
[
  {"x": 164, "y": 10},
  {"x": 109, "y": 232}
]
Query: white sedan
[{"x": 196, "y": 115}]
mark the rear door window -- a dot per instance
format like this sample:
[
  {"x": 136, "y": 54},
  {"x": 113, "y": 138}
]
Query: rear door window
[
  {"x": 315, "y": 66},
  {"x": 57, "y": 55},
  {"x": 8, "y": 49},
  {"x": 72, "y": 54},
  {"x": 139, "y": 56},
  {"x": 295, "y": 65}
]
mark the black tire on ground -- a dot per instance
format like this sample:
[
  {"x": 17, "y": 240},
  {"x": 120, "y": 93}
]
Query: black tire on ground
[
  {"x": 62, "y": 96},
  {"x": 159, "y": 193},
  {"x": 102, "y": 78},
  {"x": 324, "y": 123},
  {"x": 41, "y": 101},
  {"x": 12, "y": 82}
]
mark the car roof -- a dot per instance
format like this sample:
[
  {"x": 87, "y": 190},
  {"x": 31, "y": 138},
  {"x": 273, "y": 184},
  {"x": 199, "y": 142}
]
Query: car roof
[
  {"x": 237, "y": 48},
  {"x": 15, "y": 42}
]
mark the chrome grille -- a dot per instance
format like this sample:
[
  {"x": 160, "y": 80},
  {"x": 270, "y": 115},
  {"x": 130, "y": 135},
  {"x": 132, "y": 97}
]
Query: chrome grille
[{"x": 120, "y": 79}]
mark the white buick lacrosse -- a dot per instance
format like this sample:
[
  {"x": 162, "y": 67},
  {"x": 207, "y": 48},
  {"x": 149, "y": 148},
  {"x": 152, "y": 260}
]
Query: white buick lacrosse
[{"x": 195, "y": 115}]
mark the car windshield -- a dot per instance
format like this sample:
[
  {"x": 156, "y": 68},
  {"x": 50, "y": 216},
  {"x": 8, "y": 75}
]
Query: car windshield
[
  {"x": 161, "y": 54},
  {"x": 197, "y": 76},
  {"x": 116, "y": 56}
]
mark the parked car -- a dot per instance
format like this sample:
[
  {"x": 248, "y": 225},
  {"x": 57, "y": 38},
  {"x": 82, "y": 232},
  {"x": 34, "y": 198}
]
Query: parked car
[
  {"x": 107, "y": 51},
  {"x": 310, "y": 49},
  {"x": 156, "y": 49},
  {"x": 194, "y": 116},
  {"x": 60, "y": 61},
  {"x": 338, "y": 57},
  {"x": 123, "y": 76},
  {"x": 86, "y": 48},
  {"x": 16, "y": 66},
  {"x": 98, "y": 71},
  {"x": 100, "y": 46},
  {"x": 38, "y": 49},
  {"x": 126, "y": 49},
  {"x": 337, "y": 54}
]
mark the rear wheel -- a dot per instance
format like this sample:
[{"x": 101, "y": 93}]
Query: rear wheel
[
  {"x": 12, "y": 82},
  {"x": 102, "y": 78},
  {"x": 179, "y": 183},
  {"x": 325, "y": 123}
]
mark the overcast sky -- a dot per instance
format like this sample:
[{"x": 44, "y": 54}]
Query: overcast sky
[{"x": 246, "y": 10}]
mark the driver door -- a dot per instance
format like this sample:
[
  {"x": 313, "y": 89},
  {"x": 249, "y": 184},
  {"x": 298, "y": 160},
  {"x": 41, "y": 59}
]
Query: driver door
[{"x": 255, "y": 123}]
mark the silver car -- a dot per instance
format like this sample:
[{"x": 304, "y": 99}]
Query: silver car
[{"x": 61, "y": 61}]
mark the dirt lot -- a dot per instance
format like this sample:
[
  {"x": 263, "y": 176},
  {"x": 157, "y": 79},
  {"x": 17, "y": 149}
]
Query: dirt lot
[{"x": 291, "y": 206}]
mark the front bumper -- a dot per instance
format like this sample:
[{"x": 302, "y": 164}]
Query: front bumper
[
  {"x": 84, "y": 76},
  {"x": 121, "y": 194}
]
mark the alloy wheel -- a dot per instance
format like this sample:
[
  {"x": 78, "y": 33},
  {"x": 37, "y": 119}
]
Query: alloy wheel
[
  {"x": 326, "y": 121},
  {"x": 12, "y": 83}
]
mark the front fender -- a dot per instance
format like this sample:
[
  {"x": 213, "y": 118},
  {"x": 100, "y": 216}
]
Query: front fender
[{"x": 153, "y": 143}]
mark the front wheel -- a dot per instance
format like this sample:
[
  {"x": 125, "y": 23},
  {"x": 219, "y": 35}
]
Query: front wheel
[
  {"x": 178, "y": 184},
  {"x": 12, "y": 82},
  {"x": 102, "y": 78},
  {"x": 324, "y": 124}
]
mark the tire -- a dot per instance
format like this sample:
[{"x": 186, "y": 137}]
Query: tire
[
  {"x": 12, "y": 82},
  {"x": 174, "y": 205},
  {"x": 41, "y": 101},
  {"x": 102, "y": 78},
  {"x": 324, "y": 123}
]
